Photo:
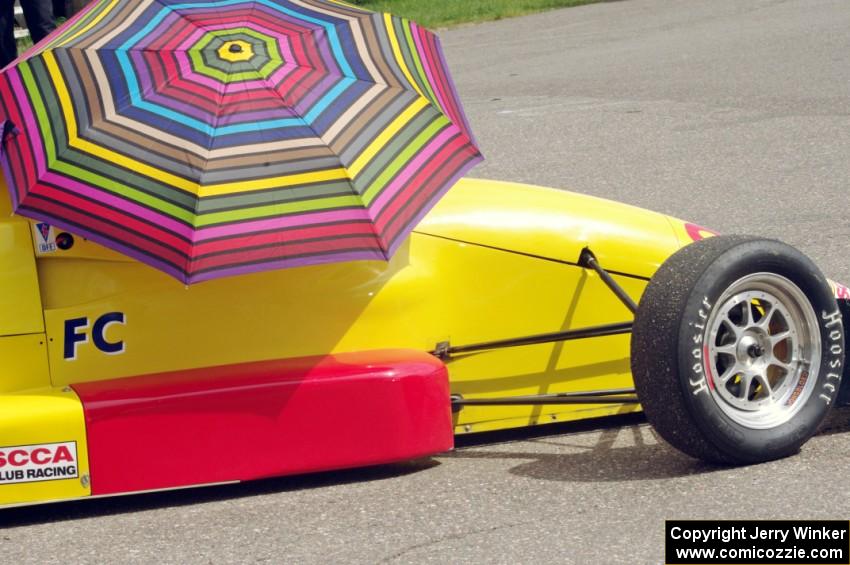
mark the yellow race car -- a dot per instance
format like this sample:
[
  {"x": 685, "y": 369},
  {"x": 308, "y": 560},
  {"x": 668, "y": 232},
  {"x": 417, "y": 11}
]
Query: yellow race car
[{"x": 508, "y": 306}]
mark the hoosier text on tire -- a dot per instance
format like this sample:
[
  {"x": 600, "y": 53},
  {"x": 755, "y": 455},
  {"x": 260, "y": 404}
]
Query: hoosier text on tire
[{"x": 737, "y": 350}]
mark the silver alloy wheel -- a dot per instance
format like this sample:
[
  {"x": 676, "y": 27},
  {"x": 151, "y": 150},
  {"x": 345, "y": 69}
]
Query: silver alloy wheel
[{"x": 762, "y": 341}]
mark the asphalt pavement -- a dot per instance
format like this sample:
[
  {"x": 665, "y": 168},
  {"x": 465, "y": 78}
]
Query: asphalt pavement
[
  {"x": 735, "y": 115},
  {"x": 730, "y": 114}
]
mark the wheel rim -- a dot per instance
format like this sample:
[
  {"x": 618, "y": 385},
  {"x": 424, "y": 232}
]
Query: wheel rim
[{"x": 763, "y": 348}]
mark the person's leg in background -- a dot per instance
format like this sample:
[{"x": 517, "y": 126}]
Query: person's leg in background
[
  {"x": 8, "y": 47},
  {"x": 39, "y": 17},
  {"x": 61, "y": 9}
]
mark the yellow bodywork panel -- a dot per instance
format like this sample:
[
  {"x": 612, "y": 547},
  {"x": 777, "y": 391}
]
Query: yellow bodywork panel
[
  {"x": 551, "y": 223},
  {"x": 109, "y": 317},
  {"x": 20, "y": 306},
  {"x": 42, "y": 441},
  {"x": 23, "y": 363},
  {"x": 479, "y": 294},
  {"x": 492, "y": 261}
]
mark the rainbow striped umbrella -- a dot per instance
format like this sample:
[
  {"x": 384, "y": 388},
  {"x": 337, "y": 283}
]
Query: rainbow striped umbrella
[{"x": 217, "y": 137}]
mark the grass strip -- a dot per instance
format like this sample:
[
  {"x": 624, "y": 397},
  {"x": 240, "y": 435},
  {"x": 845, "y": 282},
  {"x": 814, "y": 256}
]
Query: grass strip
[{"x": 442, "y": 13}]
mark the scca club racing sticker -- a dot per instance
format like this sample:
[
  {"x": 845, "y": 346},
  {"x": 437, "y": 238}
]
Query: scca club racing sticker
[{"x": 40, "y": 462}]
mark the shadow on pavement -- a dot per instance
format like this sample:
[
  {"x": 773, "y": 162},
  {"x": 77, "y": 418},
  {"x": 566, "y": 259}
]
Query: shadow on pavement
[
  {"x": 600, "y": 463},
  {"x": 604, "y": 460},
  {"x": 571, "y": 458},
  {"x": 98, "y": 507},
  {"x": 576, "y": 460}
]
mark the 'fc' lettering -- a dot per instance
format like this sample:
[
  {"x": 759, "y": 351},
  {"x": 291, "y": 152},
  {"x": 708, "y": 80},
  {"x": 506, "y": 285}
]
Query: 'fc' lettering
[{"x": 77, "y": 333}]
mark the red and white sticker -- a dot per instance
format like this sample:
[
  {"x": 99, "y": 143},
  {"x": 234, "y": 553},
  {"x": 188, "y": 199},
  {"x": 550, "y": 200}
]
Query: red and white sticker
[
  {"x": 40, "y": 462},
  {"x": 840, "y": 291},
  {"x": 45, "y": 238},
  {"x": 698, "y": 232}
]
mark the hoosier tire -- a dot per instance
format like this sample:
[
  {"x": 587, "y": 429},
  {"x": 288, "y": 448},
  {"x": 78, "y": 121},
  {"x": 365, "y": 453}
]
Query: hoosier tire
[{"x": 737, "y": 350}]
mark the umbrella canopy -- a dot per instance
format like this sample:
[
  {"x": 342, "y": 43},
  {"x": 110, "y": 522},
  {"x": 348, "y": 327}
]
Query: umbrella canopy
[{"x": 210, "y": 138}]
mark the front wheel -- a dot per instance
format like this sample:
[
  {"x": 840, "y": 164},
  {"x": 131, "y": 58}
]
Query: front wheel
[{"x": 737, "y": 350}]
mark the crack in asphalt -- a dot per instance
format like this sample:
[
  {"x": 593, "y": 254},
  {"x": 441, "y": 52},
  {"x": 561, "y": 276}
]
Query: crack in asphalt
[{"x": 452, "y": 537}]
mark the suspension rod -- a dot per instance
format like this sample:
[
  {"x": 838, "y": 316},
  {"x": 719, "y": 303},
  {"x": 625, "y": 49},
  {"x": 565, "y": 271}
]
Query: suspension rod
[
  {"x": 444, "y": 350},
  {"x": 615, "y": 396},
  {"x": 588, "y": 259}
]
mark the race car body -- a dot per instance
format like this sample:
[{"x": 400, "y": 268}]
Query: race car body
[{"x": 116, "y": 378}]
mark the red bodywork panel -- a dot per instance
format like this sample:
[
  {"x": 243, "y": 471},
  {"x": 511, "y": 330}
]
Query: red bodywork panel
[{"x": 247, "y": 421}]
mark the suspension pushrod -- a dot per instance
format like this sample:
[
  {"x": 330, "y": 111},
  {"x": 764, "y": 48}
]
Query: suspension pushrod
[
  {"x": 625, "y": 396},
  {"x": 445, "y": 350},
  {"x": 588, "y": 259}
]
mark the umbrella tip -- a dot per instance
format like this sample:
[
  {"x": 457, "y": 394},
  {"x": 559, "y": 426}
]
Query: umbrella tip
[{"x": 235, "y": 48}]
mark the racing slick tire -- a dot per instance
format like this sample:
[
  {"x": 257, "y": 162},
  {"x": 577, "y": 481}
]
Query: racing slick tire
[{"x": 737, "y": 350}]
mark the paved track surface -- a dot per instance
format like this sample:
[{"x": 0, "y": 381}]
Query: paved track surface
[{"x": 732, "y": 114}]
